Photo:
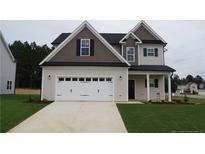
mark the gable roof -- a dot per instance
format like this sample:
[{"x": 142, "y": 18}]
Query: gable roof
[
  {"x": 112, "y": 38},
  {"x": 7, "y": 47},
  {"x": 149, "y": 29},
  {"x": 132, "y": 35},
  {"x": 74, "y": 33}
]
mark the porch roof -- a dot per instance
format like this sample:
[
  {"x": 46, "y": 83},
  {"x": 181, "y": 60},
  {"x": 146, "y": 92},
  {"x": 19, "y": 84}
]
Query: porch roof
[{"x": 163, "y": 68}]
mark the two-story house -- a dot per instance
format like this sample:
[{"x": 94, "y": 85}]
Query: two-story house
[
  {"x": 90, "y": 66},
  {"x": 7, "y": 68}
]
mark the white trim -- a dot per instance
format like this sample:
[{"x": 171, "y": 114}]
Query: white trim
[
  {"x": 81, "y": 42},
  {"x": 42, "y": 83},
  {"x": 7, "y": 47},
  {"x": 129, "y": 54},
  {"x": 128, "y": 35},
  {"x": 138, "y": 52},
  {"x": 148, "y": 87},
  {"x": 74, "y": 33},
  {"x": 122, "y": 50},
  {"x": 169, "y": 88},
  {"x": 147, "y": 27}
]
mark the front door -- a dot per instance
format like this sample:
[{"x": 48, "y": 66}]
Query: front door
[{"x": 131, "y": 90}]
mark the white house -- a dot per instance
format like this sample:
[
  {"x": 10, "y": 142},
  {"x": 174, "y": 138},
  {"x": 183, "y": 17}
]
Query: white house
[
  {"x": 7, "y": 68},
  {"x": 91, "y": 66},
  {"x": 189, "y": 87}
]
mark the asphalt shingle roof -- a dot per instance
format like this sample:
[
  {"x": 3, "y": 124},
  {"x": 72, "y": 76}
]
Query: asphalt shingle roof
[
  {"x": 151, "y": 68},
  {"x": 112, "y": 38}
]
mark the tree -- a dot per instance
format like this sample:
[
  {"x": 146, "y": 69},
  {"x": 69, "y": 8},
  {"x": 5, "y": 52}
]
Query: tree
[
  {"x": 28, "y": 56},
  {"x": 198, "y": 79},
  {"x": 189, "y": 78}
]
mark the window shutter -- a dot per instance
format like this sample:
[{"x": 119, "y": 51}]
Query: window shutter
[
  {"x": 92, "y": 47},
  {"x": 78, "y": 47},
  {"x": 156, "y": 83},
  {"x": 156, "y": 52},
  {"x": 145, "y": 52},
  {"x": 145, "y": 83}
]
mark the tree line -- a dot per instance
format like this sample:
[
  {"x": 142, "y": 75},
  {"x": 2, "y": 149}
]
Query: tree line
[{"x": 28, "y": 56}]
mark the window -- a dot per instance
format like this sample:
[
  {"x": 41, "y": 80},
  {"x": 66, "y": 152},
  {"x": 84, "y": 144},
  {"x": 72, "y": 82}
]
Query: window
[
  {"x": 95, "y": 79},
  {"x": 130, "y": 54},
  {"x": 60, "y": 79},
  {"x": 74, "y": 79},
  {"x": 150, "y": 52},
  {"x": 88, "y": 79},
  {"x": 67, "y": 79},
  {"x": 109, "y": 79},
  {"x": 102, "y": 79},
  {"x": 81, "y": 79},
  {"x": 85, "y": 47},
  {"x": 9, "y": 85},
  {"x": 152, "y": 83}
]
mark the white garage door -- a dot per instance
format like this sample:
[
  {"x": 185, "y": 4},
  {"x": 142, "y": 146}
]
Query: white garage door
[{"x": 84, "y": 89}]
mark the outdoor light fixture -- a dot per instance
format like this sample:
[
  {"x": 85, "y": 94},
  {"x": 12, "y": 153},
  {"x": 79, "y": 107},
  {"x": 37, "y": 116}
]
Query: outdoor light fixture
[{"x": 49, "y": 77}]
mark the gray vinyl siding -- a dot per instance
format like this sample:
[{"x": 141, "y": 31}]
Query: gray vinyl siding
[{"x": 101, "y": 52}]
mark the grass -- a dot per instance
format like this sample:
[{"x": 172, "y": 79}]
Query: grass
[
  {"x": 28, "y": 91},
  {"x": 15, "y": 109},
  {"x": 163, "y": 118}
]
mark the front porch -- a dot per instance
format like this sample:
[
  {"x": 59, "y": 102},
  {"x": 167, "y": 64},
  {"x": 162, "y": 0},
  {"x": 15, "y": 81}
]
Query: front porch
[{"x": 148, "y": 86}]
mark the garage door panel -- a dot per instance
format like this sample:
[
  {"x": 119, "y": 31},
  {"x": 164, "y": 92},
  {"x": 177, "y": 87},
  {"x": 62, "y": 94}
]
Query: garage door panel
[{"x": 84, "y": 90}]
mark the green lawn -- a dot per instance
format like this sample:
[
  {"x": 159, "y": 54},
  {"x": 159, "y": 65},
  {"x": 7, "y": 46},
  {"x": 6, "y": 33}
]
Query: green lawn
[
  {"x": 16, "y": 108},
  {"x": 163, "y": 118}
]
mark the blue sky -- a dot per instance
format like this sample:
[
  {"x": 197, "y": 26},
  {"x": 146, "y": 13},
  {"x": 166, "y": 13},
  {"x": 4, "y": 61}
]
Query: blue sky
[{"x": 186, "y": 39}]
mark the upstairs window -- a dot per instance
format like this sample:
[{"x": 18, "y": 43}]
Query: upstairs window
[
  {"x": 151, "y": 52},
  {"x": 85, "y": 47},
  {"x": 130, "y": 54}
]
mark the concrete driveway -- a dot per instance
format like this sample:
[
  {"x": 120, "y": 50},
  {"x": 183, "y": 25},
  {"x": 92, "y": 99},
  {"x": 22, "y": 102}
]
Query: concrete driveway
[{"x": 74, "y": 117}]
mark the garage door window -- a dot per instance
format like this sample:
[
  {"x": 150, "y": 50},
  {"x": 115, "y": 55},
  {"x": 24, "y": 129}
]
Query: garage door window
[
  {"x": 88, "y": 79},
  {"x": 109, "y": 79},
  {"x": 60, "y": 79},
  {"x": 74, "y": 79},
  {"x": 81, "y": 79},
  {"x": 95, "y": 79},
  {"x": 67, "y": 79},
  {"x": 102, "y": 79}
]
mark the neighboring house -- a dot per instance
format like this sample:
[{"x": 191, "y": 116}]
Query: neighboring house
[
  {"x": 91, "y": 66},
  {"x": 7, "y": 68},
  {"x": 201, "y": 89},
  {"x": 190, "y": 87}
]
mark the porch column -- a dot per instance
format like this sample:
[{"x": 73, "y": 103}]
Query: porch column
[
  {"x": 148, "y": 88},
  {"x": 169, "y": 88}
]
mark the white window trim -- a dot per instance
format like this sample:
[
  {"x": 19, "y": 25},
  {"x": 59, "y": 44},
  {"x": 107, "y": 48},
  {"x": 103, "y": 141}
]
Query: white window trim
[
  {"x": 153, "y": 52},
  {"x": 84, "y": 47},
  {"x": 130, "y": 54}
]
